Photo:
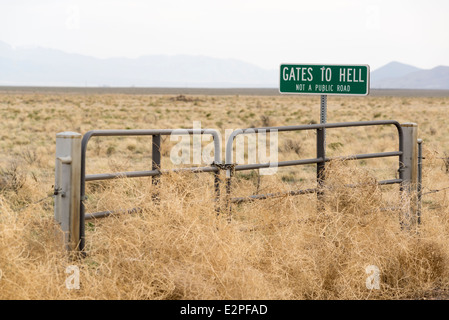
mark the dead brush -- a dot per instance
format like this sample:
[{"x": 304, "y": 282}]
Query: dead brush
[
  {"x": 292, "y": 145},
  {"x": 176, "y": 249},
  {"x": 416, "y": 267},
  {"x": 356, "y": 232},
  {"x": 31, "y": 156},
  {"x": 349, "y": 189},
  {"x": 179, "y": 248},
  {"x": 189, "y": 252},
  {"x": 12, "y": 177},
  {"x": 266, "y": 121},
  {"x": 291, "y": 247},
  {"x": 31, "y": 265},
  {"x": 446, "y": 161}
]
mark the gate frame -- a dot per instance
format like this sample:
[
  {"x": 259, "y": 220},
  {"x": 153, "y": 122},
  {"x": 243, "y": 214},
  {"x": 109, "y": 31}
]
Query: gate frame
[
  {"x": 409, "y": 170},
  {"x": 71, "y": 183},
  {"x": 70, "y": 175}
]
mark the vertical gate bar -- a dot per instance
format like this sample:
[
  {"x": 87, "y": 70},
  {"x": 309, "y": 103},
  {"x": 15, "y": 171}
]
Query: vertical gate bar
[
  {"x": 84, "y": 142},
  {"x": 420, "y": 158},
  {"x": 156, "y": 163},
  {"x": 320, "y": 175},
  {"x": 320, "y": 153},
  {"x": 156, "y": 157},
  {"x": 228, "y": 194},
  {"x": 229, "y": 170},
  {"x": 217, "y": 191}
]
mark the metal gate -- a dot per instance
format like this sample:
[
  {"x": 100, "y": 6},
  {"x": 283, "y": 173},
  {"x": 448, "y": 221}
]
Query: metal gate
[
  {"x": 320, "y": 159},
  {"x": 70, "y": 169}
]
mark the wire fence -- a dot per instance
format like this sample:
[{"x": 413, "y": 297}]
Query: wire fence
[{"x": 435, "y": 191}]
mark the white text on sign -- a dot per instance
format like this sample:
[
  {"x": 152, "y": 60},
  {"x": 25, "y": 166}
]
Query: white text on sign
[{"x": 306, "y": 74}]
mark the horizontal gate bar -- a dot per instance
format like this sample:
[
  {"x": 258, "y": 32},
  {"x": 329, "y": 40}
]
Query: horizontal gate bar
[
  {"x": 104, "y": 214},
  {"x": 367, "y": 156},
  {"x": 151, "y": 173},
  {"x": 391, "y": 181},
  {"x": 148, "y": 173},
  {"x": 277, "y": 164},
  {"x": 151, "y": 132},
  {"x": 133, "y": 174},
  {"x": 316, "y": 160},
  {"x": 321, "y": 126}
]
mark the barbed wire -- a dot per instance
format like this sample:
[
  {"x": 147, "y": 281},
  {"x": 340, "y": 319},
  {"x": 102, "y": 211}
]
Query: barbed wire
[
  {"x": 446, "y": 162},
  {"x": 434, "y": 191},
  {"x": 52, "y": 195}
]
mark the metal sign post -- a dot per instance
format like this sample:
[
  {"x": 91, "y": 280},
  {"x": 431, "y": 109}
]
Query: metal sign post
[
  {"x": 321, "y": 141},
  {"x": 323, "y": 114}
]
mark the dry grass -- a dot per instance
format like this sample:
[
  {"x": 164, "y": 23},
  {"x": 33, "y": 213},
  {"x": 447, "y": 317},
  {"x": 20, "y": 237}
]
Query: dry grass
[{"x": 178, "y": 248}]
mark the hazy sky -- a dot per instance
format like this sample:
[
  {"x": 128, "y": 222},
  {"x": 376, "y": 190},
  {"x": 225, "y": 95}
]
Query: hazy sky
[{"x": 266, "y": 33}]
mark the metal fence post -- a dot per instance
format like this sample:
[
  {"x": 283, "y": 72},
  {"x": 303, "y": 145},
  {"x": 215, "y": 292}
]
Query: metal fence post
[
  {"x": 409, "y": 186},
  {"x": 67, "y": 188}
]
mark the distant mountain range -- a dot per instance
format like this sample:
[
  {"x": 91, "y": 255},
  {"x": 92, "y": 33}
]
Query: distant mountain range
[
  {"x": 50, "y": 67},
  {"x": 396, "y": 75}
]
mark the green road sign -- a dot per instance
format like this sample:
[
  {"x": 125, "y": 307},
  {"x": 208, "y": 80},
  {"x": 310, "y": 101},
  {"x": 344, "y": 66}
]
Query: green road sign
[{"x": 318, "y": 79}]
